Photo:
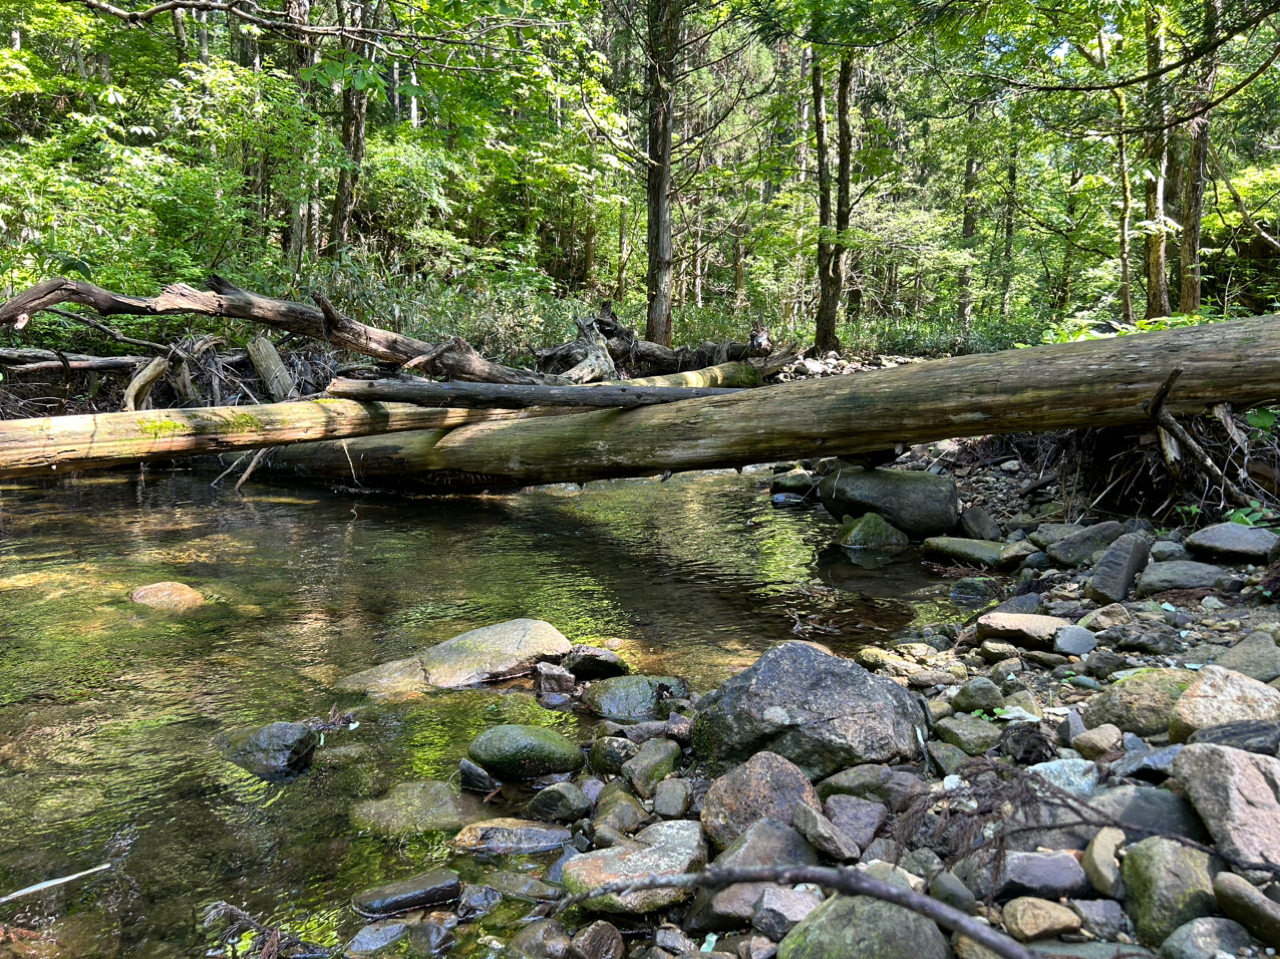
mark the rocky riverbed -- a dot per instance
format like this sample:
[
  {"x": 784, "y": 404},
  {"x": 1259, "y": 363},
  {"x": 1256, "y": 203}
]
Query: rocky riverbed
[{"x": 1090, "y": 765}]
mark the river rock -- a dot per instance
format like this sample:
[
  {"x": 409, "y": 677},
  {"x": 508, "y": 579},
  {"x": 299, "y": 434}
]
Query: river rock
[
  {"x": 609, "y": 754},
  {"x": 978, "y": 694},
  {"x": 541, "y": 939},
  {"x": 671, "y": 798},
  {"x": 977, "y": 523},
  {"x": 519, "y": 885},
  {"x": 918, "y": 503},
  {"x": 513, "y": 751},
  {"x": 478, "y": 656},
  {"x": 1074, "y": 641},
  {"x": 424, "y": 889},
  {"x": 559, "y": 802},
  {"x": 1022, "y": 629},
  {"x": 1078, "y": 547},
  {"x": 1256, "y": 656},
  {"x": 970, "y": 552},
  {"x": 1044, "y": 875},
  {"x": 376, "y": 936},
  {"x": 821, "y": 712},
  {"x": 1100, "y": 918},
  {"x": 1046, "y": 534},
  {"x": 1232, "y": 543},
  {"x": 1206, "y": 938},
  {"x": 1101, "y": 862},
  {"x": 593, "y": 662},
  {"x": 600, "y": 940},
  {"x": 870, "y": 531},
  {"x": 765, "y": 842},
  {"x": 1167, "y": 551},
  {"x": 1139, "y": 703},
  {"x": 414, "y": 808},
  {"x": 1160, "y": 577},
  {"x": 663, "y": 849},
  {"x": 1117, "y": 571},
  {"x": 475, "y": 901},
  {"x": 1249, "y": 907},
  {"x": 781, "y": 908},
  {"x": 274, "y": 752},
  {"x": 824, "y": 835},
  {"x": 859, "y": 819},
  {"x": 1166, "y": 884},
  {"x": 766, "y": 786},
  {"x": 975, "y": 736},
  {"x": 1029, "y": 918},
  {"x": 1253, "y": 736},
  {"x": 171, "y": 597},
  {"x": 431, "y": 938},
  {"x": 1237, "y": 794},
  {"x": 896, "y": 788},
  {"x": 1217, "y": 696},
  {"x": 656, "y": 761},
  {"x": 859, "y": 927},
  {"x": 1077, "y": 776},
  {"x": 1098, "y": 742},
  {"x": 509, "y": 837},
  {"x": 633, "y": 698}
]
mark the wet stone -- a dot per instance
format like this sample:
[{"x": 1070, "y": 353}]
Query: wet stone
[
  {"x": 543, "y": 939},
  {"x": 520, "y": 886},
  {"x": 671, "y": 798},
  {"x": 561, "y": 802},
  {"x": 600, "y": 940},
  {"x": 474, "y": 778},
  {"x": 550, "y": 678},
  {"x": 424, "y": 889},
  {"x": 525, "y": 752},
  {"x": 765, "y": 786},
  {"x": 431, "y": 938},
  {"x": 475, "y": 900},
  {"x": 275, "y": 752},
  {"x": 632, "y": 698},
  {"x": 609, "y": 753},
  {"x": 509, "y": 837},
  {"x": 656, "y": 760},
  {"x": 592, "y": 662},
  {"x": 859, "y": 819},
  {"x": 376, "y": 936},
  {"x": 168, "y": 596}
]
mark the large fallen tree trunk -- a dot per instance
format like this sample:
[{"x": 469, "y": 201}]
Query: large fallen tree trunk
[
  {"x": 1096, "y": 383},
  {"x": 501, "y": 396}
]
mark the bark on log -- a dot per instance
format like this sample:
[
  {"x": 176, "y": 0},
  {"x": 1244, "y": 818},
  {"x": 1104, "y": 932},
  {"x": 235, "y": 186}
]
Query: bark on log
[
  {"x": 266, "y": 360},
  {"x": 31, "y": 360},
  {"x": 1097, "y": 383},
  {"x": 57, "y": 445},
  {"x": 480, "y": 396}
]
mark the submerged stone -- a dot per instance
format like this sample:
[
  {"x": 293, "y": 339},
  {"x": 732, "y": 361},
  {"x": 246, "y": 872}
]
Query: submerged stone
[
  {"x": 512, "y": 751},
  {"x": 631, "y": 698},
  {"x": 273, "y": 752}
]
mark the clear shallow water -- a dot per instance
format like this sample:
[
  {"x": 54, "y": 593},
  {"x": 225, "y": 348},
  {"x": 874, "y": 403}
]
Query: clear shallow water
[{"x": 107, "y": 709}]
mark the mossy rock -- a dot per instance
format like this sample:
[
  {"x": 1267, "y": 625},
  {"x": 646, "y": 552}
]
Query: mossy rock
[
  {"x": 870, "y": 531},
  {"x": 511, "y": 751},
  {"x": 634, "y": 698}
]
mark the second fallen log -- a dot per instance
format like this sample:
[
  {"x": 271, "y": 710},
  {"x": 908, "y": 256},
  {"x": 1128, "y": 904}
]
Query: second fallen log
[{"x": 503, "y": 396}]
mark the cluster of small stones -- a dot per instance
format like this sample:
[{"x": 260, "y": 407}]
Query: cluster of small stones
[{"x": 833, "y": 364}]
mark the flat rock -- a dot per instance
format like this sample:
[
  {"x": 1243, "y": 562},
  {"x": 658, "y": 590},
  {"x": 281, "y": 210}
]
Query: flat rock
[
  {"x": 916, "y": 502},
  {"x": 1117, "y": 571},
  {"x": 1252, "y": 735},
  {"x": 780, "y": 909},
  {"x": 512, "y": 751},
  {"x": 1100, "y": 918},
  {"x": 1205, "y": 938},
  {"x": 821, "y": 712},
  {"x": 168, "y": 596},
  {"x": 417, "y": 807},
  {"x": 1078, "y": 547},
  {"x": 975, "y": 736},
  {"x": 1178, "y": 574},
  {"x": 633, "y": 698},
  {"x": 376, "y": 936},
  {"x": 896, "y": 788},
  {"x": 1237, "y": 794},
  {"x": 1077, "y": 776},
  {"x": 1044, "y": 875},
  {"x": 978, "y": 524},
  {"x": 479, "y": 656},
  {"x": 1256, "y": 656},
  {"x": 1166, "y": 885},
  {"x": 1139, "y": 703},
  {"x": 971, "y": 552},
  {"x": 656, "y": 760},
  {"x": 1232, "y": 542},
  {"x": 424, "y": 889},
  {"x": 1021, "y": 629},
  {"x": 1074, "y": 641},
  {"x": 593, "y": 662},
  {"x": 767, "y": 786},
  {"x": 1046, "y": 534},
  {"x": 1217, "y": 696},
  {"x": 859, "y": 819},
  {"x": 663, "y": 849},
  {"x": 509, "y": 837},
  {"x": 1249, "y": 907},
  {"x": 824, "y": 835}
]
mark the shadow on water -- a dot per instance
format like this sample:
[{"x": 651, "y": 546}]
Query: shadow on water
[{"x": 107, "y": 709}]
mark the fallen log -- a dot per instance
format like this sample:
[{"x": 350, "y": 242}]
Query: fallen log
[
  {"x": 31, "y": 360},
  {"x": 478, "y": 396},
  {"x": 57, "y": 445},
  {"x": 1096, "y": 383}
]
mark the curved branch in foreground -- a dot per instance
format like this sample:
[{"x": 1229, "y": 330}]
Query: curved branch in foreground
[{"x": 851, "y": 882}]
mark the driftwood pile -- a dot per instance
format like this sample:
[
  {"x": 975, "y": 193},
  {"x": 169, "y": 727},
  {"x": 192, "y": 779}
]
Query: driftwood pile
[{"x": 388, "y": 422}]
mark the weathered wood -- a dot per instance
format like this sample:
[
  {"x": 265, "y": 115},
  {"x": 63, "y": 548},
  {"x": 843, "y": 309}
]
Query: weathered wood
[
  {"x": 57, "y": 445},
  {"x": 1096, "y": 383},
  {"x": 138, "y": 391},
  {"x": 477, "y": 396},
  {"x": 32, "y": 360},
  {"x": 266, "y": 360},
  {"x": 455, "y": 359}
]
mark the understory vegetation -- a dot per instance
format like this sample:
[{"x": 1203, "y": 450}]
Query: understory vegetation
[{"x": 904, "y": 177}]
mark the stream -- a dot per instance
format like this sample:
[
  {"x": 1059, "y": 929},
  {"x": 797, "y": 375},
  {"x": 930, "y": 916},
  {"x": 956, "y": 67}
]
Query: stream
[{"x": 108, "y": 708}]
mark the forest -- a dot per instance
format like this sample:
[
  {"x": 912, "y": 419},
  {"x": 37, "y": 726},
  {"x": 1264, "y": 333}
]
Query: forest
[{"x": 921, "y": 177}]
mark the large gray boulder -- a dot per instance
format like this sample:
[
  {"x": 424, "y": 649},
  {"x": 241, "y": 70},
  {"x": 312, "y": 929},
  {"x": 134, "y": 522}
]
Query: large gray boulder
[
  {"x": 918, "y": 503},
  {"x": 1232, "y": 542},
  {"x": 1118, "y": 570},
  {"x": 1237, "y": 794},
  {"x": 479, "y": 656},
  {"x": 821, "y": 712},
  {"x": 1180, "y": 574},
  {"x": 1166, "y": 885}
]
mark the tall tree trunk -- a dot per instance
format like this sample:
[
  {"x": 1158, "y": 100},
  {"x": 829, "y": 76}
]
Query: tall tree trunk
[
  {"x": 202, "y": 35},
  {"x": 1010, "y": 229},
  {"x": 180, "y": 33},
  {"x": 624, "y": 256},
  {"x": 664, "y": 34},
  {"x": 1062, "y": 295},
  {"x": 968, "y": 227},
  {"x": 355, "y": 112},
  {"x": 1126, "y": 208},
  {"x": 1157, "y": 156},
  {"x": 1197, "y": 170},
  {"x": 831, "y": 247}
]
